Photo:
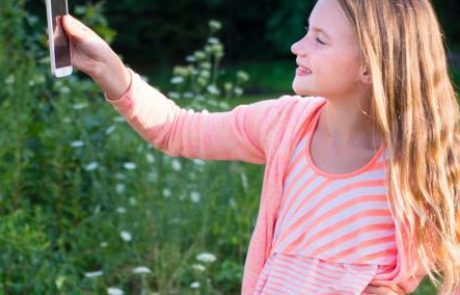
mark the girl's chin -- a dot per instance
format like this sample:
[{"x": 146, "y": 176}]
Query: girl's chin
[
  {"x": 300, "y": 87},
  {"x": 302, "y": 91}
]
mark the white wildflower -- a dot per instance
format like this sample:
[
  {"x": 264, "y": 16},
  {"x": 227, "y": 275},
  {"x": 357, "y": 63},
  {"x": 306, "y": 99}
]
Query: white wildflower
[
  {"x": 40, "y": 79},
  {"x": 77, "y": 143},
  {"x": 232, "y": 203},
  {"x": 199, "y": 55},
  {"x": 188, "y": 95},
  {"x": 115, "y": 291},
  {"x": 166, "y": 193},
  {"x": 60, "y": 281},
  {"x": 177, "y": 80},
  {"x": 119, "y": 119},
  {"x": 80, "y": 106},
  {"x": 242, "y": 76},
  {"x": 199, "y": 162},
  {"x": 120, "y": 188},
  {"x": 151, "y": 176},
  {"x": 195, "y": 197},
  {"x": 126, "y": 236},
  {"x": 103, "y": 244},
  {"x": 64, "y": 89},
  {"x": 91, "y": 166},
  {"x": 31, "y": 83},
  {"x": 239, "y": 91},
  {"x": 119, "y": 176},
  {"x": 190, "y": 58},
  {"x": 198, "y": 267},
  {"x": 228, "y": 86},
  {"x": 130, "y": 166},
  {"x": 195, "y": 285},
  {"x": 212, "y": 89},
  {"x": 174, "y": 95},
  {"x": 176, "y": 165},
  {"x": 150, "y": 158},
  {"x": 206, "y": 257},
  {"x": 213, "y": 40},
  {"x": 142, "y": 269},
  {"x": 121, "y": 210},
  {"x": 224, "y": 105},
  {"x": 10, "y": 79},
  {"x": 215, "y": 25},
  {"x": 205, "y": 74},
  {"x": 110, "y": 129},
  {"x": 244, "y": 181},
  {"x": 192, "y": 175},
  {"x": 94, "y": 274},
  {"x": 67, "y": 120},
  {"x": 132, "y": 201}
]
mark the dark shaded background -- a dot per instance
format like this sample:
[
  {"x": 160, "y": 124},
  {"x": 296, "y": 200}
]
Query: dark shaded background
[{"x": 153, "y": 31}]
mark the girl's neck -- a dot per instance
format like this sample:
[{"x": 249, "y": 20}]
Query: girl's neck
[{"x": 347, "y": 123}]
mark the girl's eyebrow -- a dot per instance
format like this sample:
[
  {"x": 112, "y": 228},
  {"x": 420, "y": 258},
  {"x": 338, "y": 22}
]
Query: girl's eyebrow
[{"x": 318, "y": 29}]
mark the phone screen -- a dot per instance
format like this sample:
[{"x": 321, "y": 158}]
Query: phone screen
[{"x": 61, "y": 43}]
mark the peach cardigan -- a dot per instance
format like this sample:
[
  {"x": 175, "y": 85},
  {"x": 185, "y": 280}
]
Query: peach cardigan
[{"x": 264, "y": 132}]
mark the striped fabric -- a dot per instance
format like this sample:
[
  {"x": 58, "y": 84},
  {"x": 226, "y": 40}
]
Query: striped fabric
[
  {"x": 334, "y": 232},
  {"x": 294, "y": 275}
]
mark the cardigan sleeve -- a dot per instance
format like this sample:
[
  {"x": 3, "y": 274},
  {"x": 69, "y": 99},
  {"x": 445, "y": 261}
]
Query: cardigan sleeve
[{"x": 240, "y": 134}]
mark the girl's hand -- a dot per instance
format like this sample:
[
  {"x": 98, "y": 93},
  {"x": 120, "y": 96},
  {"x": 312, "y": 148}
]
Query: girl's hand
[
  {"x": 384, "y": 290},
  {"x": 93, "y": 56}
]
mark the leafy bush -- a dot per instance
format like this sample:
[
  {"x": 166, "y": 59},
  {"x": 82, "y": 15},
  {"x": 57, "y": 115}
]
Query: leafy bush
[{"x": 87, "y": 205}]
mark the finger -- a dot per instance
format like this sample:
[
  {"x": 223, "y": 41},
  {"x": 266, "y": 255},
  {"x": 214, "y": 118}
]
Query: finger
[
  {"x": 398, "y": 289},
  {"x": 74, "y": 28}
]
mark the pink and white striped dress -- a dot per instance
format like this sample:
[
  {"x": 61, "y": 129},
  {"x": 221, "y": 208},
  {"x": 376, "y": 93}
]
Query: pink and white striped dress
[{"x": 334, "y": 232}]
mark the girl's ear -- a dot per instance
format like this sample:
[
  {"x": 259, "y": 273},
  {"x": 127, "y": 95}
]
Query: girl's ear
[{"x": 365, "y": 75}]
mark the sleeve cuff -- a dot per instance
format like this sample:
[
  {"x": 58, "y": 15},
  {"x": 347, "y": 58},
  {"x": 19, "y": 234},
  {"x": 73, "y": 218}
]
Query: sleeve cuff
[{"x": 124, "y": 95}]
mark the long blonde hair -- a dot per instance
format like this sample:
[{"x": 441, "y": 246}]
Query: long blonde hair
[{"x": 415, "y": 109}]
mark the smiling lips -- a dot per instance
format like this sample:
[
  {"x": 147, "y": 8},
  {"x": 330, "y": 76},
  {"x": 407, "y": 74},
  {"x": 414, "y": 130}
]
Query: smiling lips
[{"x": 301, "y": 71}]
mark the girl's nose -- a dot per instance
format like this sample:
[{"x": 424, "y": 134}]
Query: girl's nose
[{"x": 296, "y": 49}]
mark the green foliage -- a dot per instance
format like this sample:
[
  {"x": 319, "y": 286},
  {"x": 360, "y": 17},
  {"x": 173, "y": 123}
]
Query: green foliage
[
  {"x": 199, "y": 79},
  {"x": 92, "y": 14},
  {"x": 86, "y": 203}
]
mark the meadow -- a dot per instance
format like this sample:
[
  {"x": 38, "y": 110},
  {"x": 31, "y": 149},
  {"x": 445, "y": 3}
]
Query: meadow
[{"x": 88, "y": 207}]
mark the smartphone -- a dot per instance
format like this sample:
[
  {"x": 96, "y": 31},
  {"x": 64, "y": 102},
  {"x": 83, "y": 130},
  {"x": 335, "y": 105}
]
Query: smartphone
[{"x": 59, "y": 44}]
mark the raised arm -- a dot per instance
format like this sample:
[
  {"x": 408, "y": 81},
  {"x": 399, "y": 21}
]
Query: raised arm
[{"x": 241, "y": 134}]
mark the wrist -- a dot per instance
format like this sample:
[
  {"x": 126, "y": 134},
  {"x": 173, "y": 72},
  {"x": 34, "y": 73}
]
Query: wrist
[{"x": 114, "y": 78}]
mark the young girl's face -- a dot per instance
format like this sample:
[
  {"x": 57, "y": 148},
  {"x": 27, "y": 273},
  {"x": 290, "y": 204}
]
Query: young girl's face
[{"x": 328, "y": 56}]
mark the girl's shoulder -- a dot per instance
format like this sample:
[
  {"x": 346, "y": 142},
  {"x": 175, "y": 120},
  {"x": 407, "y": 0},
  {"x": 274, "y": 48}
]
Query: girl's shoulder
[
  {"x": 307, "y": 100},
  {"x": 296, "y": 103},
  {"x": 301, "y": 106}
]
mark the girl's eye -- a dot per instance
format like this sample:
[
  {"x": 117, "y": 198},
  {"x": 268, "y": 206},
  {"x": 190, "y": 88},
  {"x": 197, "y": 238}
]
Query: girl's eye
[
  {"x": 317, "y": 39},
  {"x": 320, "y": 42}
]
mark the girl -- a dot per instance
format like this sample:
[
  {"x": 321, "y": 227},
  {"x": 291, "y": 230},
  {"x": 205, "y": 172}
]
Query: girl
[{"x": 360, "y": 191}]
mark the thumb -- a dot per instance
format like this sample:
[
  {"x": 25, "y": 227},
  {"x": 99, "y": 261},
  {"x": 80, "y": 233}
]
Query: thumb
[{"x": 73, "y": 27}]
